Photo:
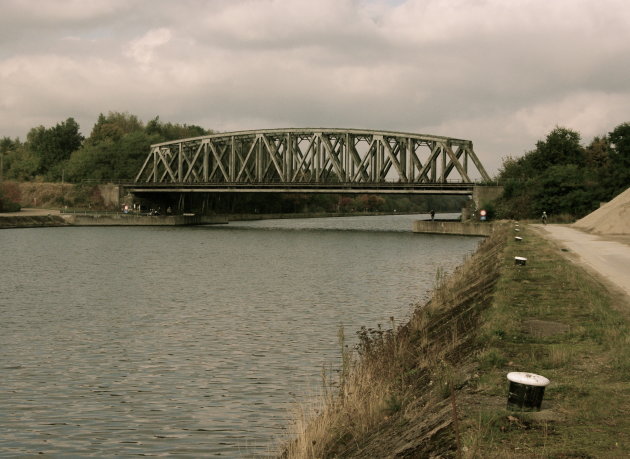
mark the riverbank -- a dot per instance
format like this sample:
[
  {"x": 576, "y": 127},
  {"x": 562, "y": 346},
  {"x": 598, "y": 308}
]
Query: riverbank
[
  {"x": 437, "y": 387},
  {"x": 33, "y": 218},
  {"x": 122, "y": 219},
  {"x": 283, "y": 216},
  {"x": 41, "y": 221}
]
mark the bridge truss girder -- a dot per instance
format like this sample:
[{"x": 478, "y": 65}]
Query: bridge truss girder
[{"x": 310, "y": 156}]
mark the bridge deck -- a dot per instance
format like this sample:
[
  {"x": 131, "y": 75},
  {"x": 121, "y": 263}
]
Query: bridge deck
[{"x": 339, "y": 188}]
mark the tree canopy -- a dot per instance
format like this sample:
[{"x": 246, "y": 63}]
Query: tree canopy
[
  {"x": 560, "y": 176},
  {"x": 115, "y": 149},
  {"x": 53, "y": 146}
]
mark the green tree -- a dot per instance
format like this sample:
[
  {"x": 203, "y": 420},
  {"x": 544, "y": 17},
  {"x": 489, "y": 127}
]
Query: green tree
[
  {"x": 119, "y": 143},
  {"x": 19, "y": 163},
  {"x": 111, "y": 159},
  {"x": 618, "y": 178},
  {"x": 7, "y": 144},
  {"x": 114, "y": 127},
  {"x": 53, "y": 146},
  {"x": 597, "y": 154},
  {"x": 112, "y": 151},
  {"x": 170, "y": 131},
  {"x": 562, "y": 146},
  {"x": 563, "y": 189},
  {"x": 552, "y": 177}
]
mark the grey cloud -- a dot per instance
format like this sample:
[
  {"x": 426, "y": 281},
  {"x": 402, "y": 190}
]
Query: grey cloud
[{"x": 501, "y": 73}]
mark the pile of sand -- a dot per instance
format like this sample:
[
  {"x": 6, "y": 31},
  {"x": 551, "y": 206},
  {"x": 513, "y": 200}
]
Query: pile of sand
[{"x": 611, "y": 218}]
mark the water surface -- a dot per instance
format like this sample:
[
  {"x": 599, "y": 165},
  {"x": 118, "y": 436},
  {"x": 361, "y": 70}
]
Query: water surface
[{"x": 191, "y": 341}]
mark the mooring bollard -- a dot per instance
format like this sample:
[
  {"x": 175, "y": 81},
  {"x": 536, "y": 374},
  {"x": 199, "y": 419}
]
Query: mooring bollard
[
  {"x": 526, "y": 391},
  {"x": 522, "y": 261},
  {"x": 518, "y": 239}
]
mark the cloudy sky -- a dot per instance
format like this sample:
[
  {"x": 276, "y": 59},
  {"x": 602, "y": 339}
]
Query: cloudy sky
[{"x": 501, "y": 73}]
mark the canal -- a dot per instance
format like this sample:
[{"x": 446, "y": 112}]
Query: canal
[{"x": 192, "y": 341}]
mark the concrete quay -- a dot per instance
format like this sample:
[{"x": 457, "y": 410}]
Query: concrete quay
[
  {"x": 121, "y": 219},
  {"x": 454, "y": 228},
  {"x": 37, "y": 218}
]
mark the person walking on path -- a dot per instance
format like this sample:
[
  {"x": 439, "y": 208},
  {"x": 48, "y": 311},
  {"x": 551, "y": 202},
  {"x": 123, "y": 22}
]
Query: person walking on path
[{"x": 544, "y": 218}]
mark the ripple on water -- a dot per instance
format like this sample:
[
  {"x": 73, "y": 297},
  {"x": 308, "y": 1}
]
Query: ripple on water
[{"x": 189, "y": 341}]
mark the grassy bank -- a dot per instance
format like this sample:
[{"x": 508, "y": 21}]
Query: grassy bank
[
  {"x": 437, "y": 385},
  {"x": 395, "y": 394},
  {"x": 552, "y": 318}
]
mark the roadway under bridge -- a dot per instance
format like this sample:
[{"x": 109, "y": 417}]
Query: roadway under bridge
[{"x": 311, "y": 161}]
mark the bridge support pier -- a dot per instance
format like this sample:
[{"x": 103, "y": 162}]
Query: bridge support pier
[
  {"x": 486, "y": 194},
  {"x": 480, "y": 198}
]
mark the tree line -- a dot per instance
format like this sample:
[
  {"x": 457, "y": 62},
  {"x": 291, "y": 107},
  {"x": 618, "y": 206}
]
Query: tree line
[
  {"x": 562, "y": 176},
  {"x": 114, "y": 150},
  {"x": 118, "y": 144},
  {"x": 559, "y": 176}
]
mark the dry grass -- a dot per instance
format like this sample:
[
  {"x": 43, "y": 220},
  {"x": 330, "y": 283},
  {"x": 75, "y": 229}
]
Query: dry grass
[
  {"x": 437, "y": 387},
  {"x": 57, "y": 195},
  {"x": 403, "y": 381}
]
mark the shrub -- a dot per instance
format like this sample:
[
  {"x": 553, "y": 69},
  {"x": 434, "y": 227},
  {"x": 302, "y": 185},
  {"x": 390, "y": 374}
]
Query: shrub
[{"x": 9, "y": 197}]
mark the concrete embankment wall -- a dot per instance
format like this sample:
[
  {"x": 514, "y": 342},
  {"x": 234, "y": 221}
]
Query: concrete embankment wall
[
  {"x": 141, "y": 220},
  {"x": 121, "y": 219},
  {"x": 248, "y": 217},
  {"x": 34, "y": 221},
  {"x": 486, "y": 194},
  {"x": 456, "y": 228}
]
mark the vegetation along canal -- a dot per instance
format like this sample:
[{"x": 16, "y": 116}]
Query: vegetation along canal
[{"x": 192, "y": 340}]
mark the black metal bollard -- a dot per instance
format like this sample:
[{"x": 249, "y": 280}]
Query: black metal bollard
[{"x": 526, "y": 391}]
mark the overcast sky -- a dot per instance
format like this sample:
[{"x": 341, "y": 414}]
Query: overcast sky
[{"x": 502, "y": 73}]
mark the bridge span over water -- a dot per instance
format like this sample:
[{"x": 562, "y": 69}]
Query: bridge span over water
[{"x": 308, "y": 160}]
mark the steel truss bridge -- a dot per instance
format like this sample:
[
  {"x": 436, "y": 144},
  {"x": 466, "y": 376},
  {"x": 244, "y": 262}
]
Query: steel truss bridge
[{"x": 312, "y": 161}]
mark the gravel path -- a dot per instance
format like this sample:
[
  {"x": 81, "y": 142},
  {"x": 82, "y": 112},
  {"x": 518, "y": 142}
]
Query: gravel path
[{"x": 610, "y": 259}]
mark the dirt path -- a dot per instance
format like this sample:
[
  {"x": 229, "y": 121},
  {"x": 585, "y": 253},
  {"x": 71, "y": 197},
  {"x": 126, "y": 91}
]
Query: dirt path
[
  {"x": 28, "y": 212},
  {"x": 609, "y": 258}
]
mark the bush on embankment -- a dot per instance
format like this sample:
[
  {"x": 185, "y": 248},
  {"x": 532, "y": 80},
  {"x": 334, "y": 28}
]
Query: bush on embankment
[
  {"x": 48, "y": 195},
  {"x": 396, "y": 397},
  {"x": 9, "y": 197}
]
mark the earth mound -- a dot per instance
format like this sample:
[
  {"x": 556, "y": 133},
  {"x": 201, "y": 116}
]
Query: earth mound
[{"x": 613, "y": 218}]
